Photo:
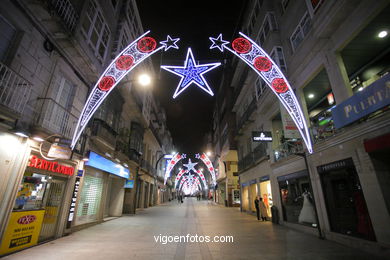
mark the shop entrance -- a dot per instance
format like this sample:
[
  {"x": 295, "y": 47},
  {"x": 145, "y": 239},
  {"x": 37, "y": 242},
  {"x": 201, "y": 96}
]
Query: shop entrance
[
  {"x": 52, "y": 202},
  {"x": 345, "y": 201},
  {"x": 252, "y": 196},
  {"x": 244, "y": 197}
]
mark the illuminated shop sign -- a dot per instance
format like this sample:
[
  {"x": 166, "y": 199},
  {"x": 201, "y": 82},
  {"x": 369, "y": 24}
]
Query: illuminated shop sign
[
  {"x": 129, "y": 184},
  {"x": 363, "y": 103},
  {"x": 99, "y": 162},
  {"x": 261, "y": 136},
  {"x": 42, "y": 164},
  {"x": 73, "y": 202}
]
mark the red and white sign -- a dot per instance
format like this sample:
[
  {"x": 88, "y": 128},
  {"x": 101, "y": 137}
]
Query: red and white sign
[{"x": 42, "y": 164}]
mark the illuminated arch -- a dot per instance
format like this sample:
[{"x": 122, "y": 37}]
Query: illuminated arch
[
  {"x": 136, "y": 52},
  {"x": 256, "y": 58},
  {"x": 171, "y": 164},
  {"x": 209, "y": 165}
]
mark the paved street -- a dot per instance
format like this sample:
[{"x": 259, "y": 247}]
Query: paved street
[{"x": 132, "y": 237}]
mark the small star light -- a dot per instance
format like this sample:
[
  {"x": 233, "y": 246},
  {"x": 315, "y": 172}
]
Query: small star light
[
  {"x": 191, "y": 73},
  {"x": 170, "y": 43},
  {"x": 218, "y": 42},
  {"x": 190, "y": 165}
]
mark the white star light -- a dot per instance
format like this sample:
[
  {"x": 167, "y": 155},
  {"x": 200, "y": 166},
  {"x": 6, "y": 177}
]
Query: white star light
[
  {"x": 170, "y": 43},
  {"x": 191, "y": 73},
  {"x": 218, "y": 42},
  {"x": 190, "y": 165}
]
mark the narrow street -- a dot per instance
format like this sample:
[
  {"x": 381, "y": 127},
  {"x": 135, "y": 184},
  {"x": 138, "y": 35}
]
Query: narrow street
[{"x": 132, "y": 237}]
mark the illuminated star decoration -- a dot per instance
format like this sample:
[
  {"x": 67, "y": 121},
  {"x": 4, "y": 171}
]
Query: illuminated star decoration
[
  {"x": 170, "y": 43},
  {"x": 190, "y": 165},
  {"x": 191, "y": 73},
  {"x": 218, "y": 42}
]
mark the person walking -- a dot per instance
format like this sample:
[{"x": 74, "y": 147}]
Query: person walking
[
  {"x": 257, "y": 207},
  {"x": 263, "y": 210}
]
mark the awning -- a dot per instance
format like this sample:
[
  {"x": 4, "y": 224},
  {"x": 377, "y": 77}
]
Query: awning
[{"x": 377, "y": 143}]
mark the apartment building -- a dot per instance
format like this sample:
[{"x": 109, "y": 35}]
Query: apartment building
[
  {"x": 335, "y": 56},
  {"x": 52, "y": 54}
]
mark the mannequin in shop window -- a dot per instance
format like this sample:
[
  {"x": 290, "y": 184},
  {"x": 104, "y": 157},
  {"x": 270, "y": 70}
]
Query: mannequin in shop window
[{"x": 307, "y": 214}]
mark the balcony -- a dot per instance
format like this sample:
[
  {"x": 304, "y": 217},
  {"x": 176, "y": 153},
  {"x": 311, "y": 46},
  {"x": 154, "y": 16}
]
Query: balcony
[
  {"x": 124, "y": 148},
  {"x": 148, "y": 167},
  {"x": 66, "y": 11},
  {"x": 104, "y": 132},
  {"x": 246, "y": 162},
  {"x": 260, "y": 151},
  {"x": 288, "y": 148},
  {"x": 14, "y": 90},
  {"x": 246, "y": 115},
  {"x": 55, "y": 119}
]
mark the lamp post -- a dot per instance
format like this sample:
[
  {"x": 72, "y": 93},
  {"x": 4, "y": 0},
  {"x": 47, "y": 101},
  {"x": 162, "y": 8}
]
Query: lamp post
[{"x": 320, "y": 234}]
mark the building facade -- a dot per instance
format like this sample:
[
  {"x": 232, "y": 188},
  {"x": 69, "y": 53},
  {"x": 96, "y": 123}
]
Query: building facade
[
  {"x": 52, "y": 55},
  {"x": 335, "y": 56}
]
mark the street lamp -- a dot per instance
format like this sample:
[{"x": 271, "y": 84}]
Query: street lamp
[{"x": 144, "y": 79}]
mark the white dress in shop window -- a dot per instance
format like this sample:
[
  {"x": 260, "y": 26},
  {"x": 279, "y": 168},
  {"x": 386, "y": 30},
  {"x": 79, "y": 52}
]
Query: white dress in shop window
[{"x": 307, "y": 212}]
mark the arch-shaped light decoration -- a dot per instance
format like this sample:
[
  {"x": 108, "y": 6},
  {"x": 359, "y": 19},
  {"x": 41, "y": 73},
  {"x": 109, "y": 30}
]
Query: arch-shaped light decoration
[
  {"x": 171, "y": 164},
  {"x": 179, "y": 175},
  {"x": 136, "y": 52},
  {"x": 206, "y": 160},
  {"x": 256, "y": 58}
]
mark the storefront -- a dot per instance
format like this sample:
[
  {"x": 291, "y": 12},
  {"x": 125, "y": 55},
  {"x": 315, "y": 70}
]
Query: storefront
[
  {"x": 344, "y": 199},
  {"x": 266, "y": 193},
  {"x": 41, "y": 206},
  {"x": 102, "y": 190},
  {"x": 297, "y": 199}
]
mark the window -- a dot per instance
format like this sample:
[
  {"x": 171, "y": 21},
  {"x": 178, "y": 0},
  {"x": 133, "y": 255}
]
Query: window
[
  {"x": 285, "y": 4},
  {"x": 260, "y": 87},
  {"x": 278, "y": 56},
  {"x": 300, "y": 31},
  {"x": 269, "y": 24},
  {"x": 63, "y": 92},
  {"x": 7, "y": 33},
  {"x": 315, "y": 4},
  {"x": 96, "y": 31}
]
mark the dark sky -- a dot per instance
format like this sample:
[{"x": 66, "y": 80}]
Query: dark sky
[{"x": 190, "y": 114}]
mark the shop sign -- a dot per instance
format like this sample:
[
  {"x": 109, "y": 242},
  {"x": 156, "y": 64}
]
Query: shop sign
[
  {"x": 252, "y": 181},
  {"x": 129, "y": 184},
  {"x": 261, "y": 136},
  {"x": 73, "y": 202},
  {"x": 22, "y": 231},
  {"x": 60, "y": 151},
  {"x": 42, "y": 164},
  {"x": 290, "y": 130},
  {"x": 363, "y": 103},
  {"x": 264, "y": 178},
  {"x": 99, "y": 162},
  {"x": 342, "y": 164}
]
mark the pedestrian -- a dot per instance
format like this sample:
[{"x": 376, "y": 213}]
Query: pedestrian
[
  {"x": 263, "y": 210},
  {"x": 257, "y": 207}
]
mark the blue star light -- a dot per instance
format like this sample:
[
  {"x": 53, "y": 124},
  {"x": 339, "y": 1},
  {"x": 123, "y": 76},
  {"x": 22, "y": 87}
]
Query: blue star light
[
  {"x": 218, "y": 42},
  {"x": 191, "y": 73},
  {"x": 190, "y": 166},
  {"x": 170, "y": 43}
]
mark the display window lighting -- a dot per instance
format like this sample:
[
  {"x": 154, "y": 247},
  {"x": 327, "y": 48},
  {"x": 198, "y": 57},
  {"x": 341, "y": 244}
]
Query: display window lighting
[
  {"x": 21, "y": 134},
  {"x": 38, "y": 139}
]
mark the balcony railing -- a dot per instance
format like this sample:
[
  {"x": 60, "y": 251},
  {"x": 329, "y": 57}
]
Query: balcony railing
[
  {"x": 102, "y": 130},
  {"x": 147, "y": 166},
  {"x": 14, "y": 89},
  {"x": 55, "y": 118},
  {"x": 246, "y": 162},
  {"x": 248, "y": 112},
  {"x": 124, "y": 148},
  {"x": 66, "y": 11},
  {"x": 288, "y": 148}
]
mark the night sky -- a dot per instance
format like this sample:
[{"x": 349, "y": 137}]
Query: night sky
[{"x": 190, "y": 114}]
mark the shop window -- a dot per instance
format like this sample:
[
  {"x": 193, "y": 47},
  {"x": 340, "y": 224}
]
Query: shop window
[
  {"x": 7, "y": 34},
  {"x": 31, "y": 192},
  {"x": 344, "y": 199},
  {"x": 96, "y": 31},
  {"x": 297, "y": 199},
  {"x": 266, "y": 194},
  {"x": 300, "y": 31}
]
